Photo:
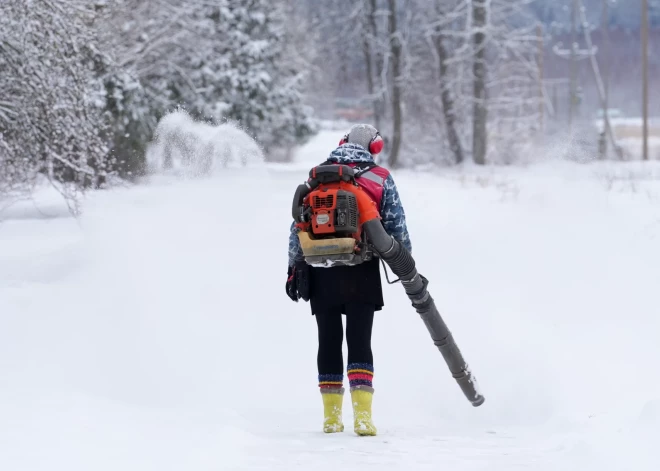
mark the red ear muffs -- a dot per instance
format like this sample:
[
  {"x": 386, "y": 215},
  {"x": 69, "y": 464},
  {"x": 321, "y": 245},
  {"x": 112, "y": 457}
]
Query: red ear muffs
[{"x": 376, "y": 144}]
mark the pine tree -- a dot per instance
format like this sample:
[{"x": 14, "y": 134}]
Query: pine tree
[{"x": 245, "y": 76}]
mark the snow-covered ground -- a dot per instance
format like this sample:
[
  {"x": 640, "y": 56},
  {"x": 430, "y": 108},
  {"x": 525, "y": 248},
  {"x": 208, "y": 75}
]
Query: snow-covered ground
[{"x": 155, "y": 334}]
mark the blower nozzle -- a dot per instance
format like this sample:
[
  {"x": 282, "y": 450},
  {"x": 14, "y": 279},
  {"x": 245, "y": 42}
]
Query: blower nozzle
[{"x": 402, "y": 264}]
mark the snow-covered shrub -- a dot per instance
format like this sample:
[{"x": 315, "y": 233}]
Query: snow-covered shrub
[{"x": 15, "y": 179}]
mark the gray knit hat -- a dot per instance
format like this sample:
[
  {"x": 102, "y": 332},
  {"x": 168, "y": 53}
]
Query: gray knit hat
[{"x": 362, "y": 134}]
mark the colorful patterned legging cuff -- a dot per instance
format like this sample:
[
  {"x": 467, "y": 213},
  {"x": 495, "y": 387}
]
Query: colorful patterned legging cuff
[
  {"x": 327, "y": 382},
  {"x": 360, "y": 374}
]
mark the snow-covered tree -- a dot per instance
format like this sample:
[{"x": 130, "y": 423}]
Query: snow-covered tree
[
  {"x": 439, "y": 45},
  {"x": 243, "y": 74},
  {"x": 428, "y": 56},
  {"x": 483, "y": 85},
  {"x": 138, "y": 73},
  {"x": 221, "y": 60},
  {"x": 48, "y": 119}
]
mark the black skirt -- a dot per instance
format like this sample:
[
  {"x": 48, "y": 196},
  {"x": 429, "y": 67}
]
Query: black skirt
[{"x": 337, "y": 286}]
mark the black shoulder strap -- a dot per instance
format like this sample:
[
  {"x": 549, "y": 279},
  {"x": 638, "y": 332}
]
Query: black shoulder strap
[{"x": 362, "y": 169}]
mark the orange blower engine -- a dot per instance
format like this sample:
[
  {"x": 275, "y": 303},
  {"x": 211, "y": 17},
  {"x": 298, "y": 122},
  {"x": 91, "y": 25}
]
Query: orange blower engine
[{"x": 330, "y": 209}]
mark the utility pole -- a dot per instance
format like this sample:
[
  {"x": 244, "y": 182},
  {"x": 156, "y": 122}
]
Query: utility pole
[
  {"x": 574, "y": 54},
  {"x": 606, "y": 60},
  {"x": 605, "y": 26},
  {"x": 574, "y": 67},
  {"x": 606, "y": 52},
  {"x": 597, "y": 74},
  {"x": 645, "y": 79},
  {"x": 539, "y": 33}
]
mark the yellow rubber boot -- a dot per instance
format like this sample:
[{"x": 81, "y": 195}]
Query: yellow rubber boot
[
  {"x": 363, "y": 423},
  {"x": 332, "y": 407}
]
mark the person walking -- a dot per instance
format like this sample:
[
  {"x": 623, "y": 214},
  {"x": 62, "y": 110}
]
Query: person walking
[{"x": 353, "y": 291}]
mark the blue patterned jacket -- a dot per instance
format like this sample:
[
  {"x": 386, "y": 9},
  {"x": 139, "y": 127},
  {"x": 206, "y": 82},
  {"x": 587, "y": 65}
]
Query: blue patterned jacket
[{"x": 391, "y": 210}]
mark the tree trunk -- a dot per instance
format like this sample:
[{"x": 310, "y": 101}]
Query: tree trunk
[
  {"x": 480, "y": 117},
  {"x": 448, "y": 105},
  {"x": 395, "y": 49},
  {"x": 370, "y": 33},
  {"x": 369, "y": 40},
  {"x": 381, "y": 81},
  {"x": 645, "y": 80}
]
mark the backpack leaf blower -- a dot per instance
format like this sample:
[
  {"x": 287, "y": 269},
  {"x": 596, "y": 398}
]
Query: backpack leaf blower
[{"x": 340, "y": 225}]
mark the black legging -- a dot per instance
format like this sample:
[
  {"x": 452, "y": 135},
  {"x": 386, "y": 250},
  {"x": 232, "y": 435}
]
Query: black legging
[{"x": 359, "y": 322}]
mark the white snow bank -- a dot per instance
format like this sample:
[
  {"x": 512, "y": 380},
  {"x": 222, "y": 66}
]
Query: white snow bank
[{"x": 45, "y": 202}]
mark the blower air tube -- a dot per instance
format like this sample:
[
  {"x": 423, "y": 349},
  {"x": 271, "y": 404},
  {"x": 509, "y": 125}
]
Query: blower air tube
[{"x": 402, "y": 264}]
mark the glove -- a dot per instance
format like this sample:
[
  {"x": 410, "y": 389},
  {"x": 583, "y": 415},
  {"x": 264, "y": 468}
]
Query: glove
[
  {"x": 302, "y": 280},
  {"x": 297, "y": 282},
  {"x": 291, "y": 284}
]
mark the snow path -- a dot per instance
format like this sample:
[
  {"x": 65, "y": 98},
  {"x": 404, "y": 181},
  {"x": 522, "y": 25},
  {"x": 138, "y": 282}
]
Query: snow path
[{"x": 156, "y": 334}]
